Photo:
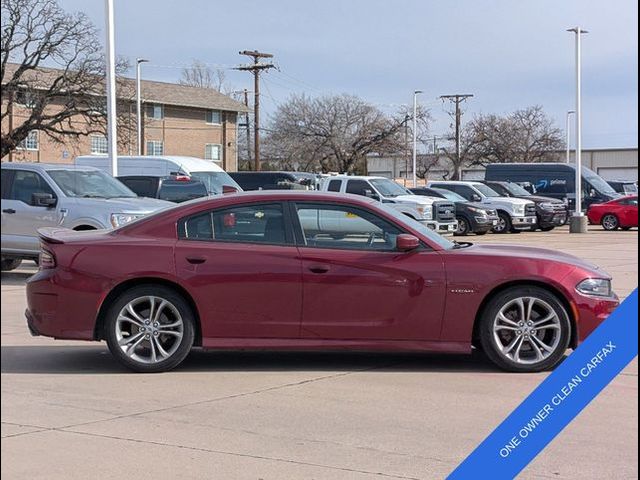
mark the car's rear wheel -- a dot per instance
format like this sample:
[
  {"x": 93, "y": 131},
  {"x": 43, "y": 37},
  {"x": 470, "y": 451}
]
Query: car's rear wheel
[
  {"x": 525, "y": 329},
  {"x": 504, "y": 223},
  {"x": 7, "y": 264},
  {"x": 150, "y": 328},
  {"x": 463, "y": 226},
  {"x": 610, "y": 222}
]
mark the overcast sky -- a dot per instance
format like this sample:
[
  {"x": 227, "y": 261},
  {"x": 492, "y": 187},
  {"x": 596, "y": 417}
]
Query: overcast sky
[{"x": 509, "y": 53}]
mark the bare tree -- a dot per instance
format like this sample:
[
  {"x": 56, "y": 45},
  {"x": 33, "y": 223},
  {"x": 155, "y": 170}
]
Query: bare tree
[
  {"x": 526, "y": 135},
  {"x": 65, "y": 102},
  {"x": 200, "y": 75},
  {"x": 332, "y": 133}
]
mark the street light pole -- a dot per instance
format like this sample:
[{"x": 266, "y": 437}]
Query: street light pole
[
  {"x": 578, "y": 220},
  {"x": 568, "y": 131},
  {"x": 139, "y": 105},
  {"x": 415, "y": 135},
  {"x": 112, "y": 139}
]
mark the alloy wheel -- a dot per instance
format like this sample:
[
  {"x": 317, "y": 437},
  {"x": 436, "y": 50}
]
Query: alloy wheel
[
  {"x": 149, "y": 329},
  {"x": 610, "y": 222},
  {"x": 527, "y": 330}
]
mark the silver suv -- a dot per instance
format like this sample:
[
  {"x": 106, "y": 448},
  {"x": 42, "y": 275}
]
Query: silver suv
[{"x": 36, "y": 195}]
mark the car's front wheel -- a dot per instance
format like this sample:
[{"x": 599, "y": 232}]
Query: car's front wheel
[
  {"x": 610, "y": 222},
  {"x": 463, "y": 226},
  {"x": 504, "y": 223},
  {"x": 8, "y": 264},
  {"x": 525, "y": 329},
  {"x": 150, "y": 328}
]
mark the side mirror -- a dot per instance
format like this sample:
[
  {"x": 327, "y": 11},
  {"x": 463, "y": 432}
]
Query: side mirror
[
  {"x": 229, "y": 189},
  {"x": 43, "y": 200},
  {"x": 593, "y": 193},
  {"x": 476, "y": 198},
  {"x": 406, "y": 242},
  {"x": 372, "y": 195}
]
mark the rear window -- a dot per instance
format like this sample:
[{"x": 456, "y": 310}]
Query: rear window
[{"x": 180, "y": 191}]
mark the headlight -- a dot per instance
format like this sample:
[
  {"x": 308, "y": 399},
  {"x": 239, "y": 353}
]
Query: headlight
[
  {"x": 425, "y": 212},
  {"x": 119, "y": 219},
  {"x": 518, "y": 209},
  {"x": 600, "y": 287},
  {"x": 479, "y": 211}
]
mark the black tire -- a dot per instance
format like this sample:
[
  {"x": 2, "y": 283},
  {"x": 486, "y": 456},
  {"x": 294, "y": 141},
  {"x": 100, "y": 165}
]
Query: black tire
[
  {"x": 179, "y": 352},
  {"x": 504, "y": 224},
  {"x": 482, "y": 232},
  {"x": 7, "y": 263},
  {"x": 610, "y": 222},
  {"x": 463, "y": 227},
  {"x": 626, "y": 229},
  {"x": 493, "y": 344},
  {"x": 547, "y": 229}
]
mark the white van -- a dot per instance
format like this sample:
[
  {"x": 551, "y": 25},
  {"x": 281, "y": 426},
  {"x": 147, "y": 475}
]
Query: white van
[{"x": 204, "y": 171}]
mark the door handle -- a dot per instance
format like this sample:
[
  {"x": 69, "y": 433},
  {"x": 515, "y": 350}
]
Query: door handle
[
  {"x": 8, "y": 210},
  {"x": 196, "y": 260},
  {"x": 319, "y": 268}
]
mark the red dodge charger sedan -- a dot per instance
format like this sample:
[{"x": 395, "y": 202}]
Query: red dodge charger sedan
[
  {"x": 614, "y": 214},
  {"x": 306, "y": 270}
]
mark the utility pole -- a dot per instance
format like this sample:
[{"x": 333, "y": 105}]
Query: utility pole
[
  {"x": 139, "y": 105},
  {"x": 112, "y": 140},
  {"x": 406, "y": 149},
  {"x": 248, "y": 131},
  {"x": 457, "y": 99},
  {"x": 568, "y": 131},
  {"x": 256, "y": 67}
]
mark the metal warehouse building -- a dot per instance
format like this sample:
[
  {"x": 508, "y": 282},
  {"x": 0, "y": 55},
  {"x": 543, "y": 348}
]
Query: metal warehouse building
[{"x": 609, "y": 163}]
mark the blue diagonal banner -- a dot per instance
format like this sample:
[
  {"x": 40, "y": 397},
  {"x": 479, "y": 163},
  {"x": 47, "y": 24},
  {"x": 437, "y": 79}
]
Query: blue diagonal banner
[{"x": 558, "y": 399}]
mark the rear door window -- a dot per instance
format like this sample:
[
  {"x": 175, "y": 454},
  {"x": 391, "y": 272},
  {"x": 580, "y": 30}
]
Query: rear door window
[
  {"x": 359, "y": 187},
  {"x": 334, "y": 185},
  {"x": 261, "y": 223},
  {"x": 141, "y": 186}
]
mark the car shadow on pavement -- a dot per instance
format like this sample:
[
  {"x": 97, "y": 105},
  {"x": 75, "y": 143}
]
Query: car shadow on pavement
[{"x": 93, "y": 359}]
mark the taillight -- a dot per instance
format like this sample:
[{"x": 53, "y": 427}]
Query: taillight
[{"x": 47, "y": 259}]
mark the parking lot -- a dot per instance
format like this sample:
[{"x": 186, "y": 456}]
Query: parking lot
[{"x": 70, "y": 411}]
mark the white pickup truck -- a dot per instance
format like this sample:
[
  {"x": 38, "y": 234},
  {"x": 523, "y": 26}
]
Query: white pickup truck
[
  {"x": 436, "y": 213},
  {"x": 515, "y": 214}
]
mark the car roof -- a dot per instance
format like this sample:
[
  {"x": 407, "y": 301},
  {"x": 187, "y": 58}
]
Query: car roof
[
  {"x": 358, "y": 177},
  {"x": 455, "y": 182},
  {"x": 44, "y": 167}
]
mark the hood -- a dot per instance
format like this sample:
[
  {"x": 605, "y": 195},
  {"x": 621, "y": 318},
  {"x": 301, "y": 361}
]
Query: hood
[
  {"x": 541, "y": 199},
  {"x": 124, "y": 204},
  {"x": 420, "y": 199},
  {"x": 534, "y": 253},
  {"x": 483, "y": 206}
]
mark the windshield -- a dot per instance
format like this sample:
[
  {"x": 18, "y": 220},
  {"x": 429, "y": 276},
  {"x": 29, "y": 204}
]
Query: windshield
[
  {"x": 389, "y": 188},
  {"x": 449, "y": 195},
  {"x": 516, "y": 190},
  {"x": 486, "y": 191},
  {"x": 214, "y": 181},
  {"x": 89, "y": 184},
  {"x": 630, "y": 188},
  {"x": 415, "y": 225},
  {"x": 597, "y": 182}
]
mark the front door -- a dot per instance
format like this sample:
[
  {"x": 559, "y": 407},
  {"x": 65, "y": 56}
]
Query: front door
[
  {"x": 243, "y": 269},
  {"x": 357, "y": 286},
  {"x": 21, "y": 217}
]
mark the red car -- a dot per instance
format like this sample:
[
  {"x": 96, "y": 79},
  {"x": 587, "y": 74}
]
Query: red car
[
  {"x": 308, "y": 270},
  {"x": 614, "y": 214}
]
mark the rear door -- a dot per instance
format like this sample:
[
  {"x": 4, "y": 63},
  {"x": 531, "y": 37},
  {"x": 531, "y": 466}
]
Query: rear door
[
  {"x": 243, "y": 268},
  {"x": 357, "y": 286},
  {"x": 21, "y": 218}
]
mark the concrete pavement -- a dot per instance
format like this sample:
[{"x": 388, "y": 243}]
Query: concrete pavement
[{"x": 69, "y": 411}]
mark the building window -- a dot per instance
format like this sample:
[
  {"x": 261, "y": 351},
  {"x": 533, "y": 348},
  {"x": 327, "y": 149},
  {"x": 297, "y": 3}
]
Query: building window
[
  {"x": 214, "y": 117},
  {"x": 213, "y": 151},
  {"x": 155, "y": 147},
  {"x": 26, "y": 98},
  {"x": 155, "y": 111},
  {"x": 99, "y": 145},
  {"x": 31, "y": 142}
]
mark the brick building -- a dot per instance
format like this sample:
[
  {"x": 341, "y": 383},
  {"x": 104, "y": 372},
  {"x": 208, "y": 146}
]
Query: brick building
[{"x": 177, "y": 120}]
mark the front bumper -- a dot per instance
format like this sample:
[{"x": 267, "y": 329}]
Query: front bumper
[
  {"x": 521, "y": 223},
  {"x": 551, "y": 219},
  {"x": 483, "y": 223},
  {"x": 444, "y": 228},
  {"x": 590, "y": 312}
]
